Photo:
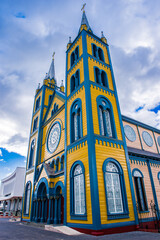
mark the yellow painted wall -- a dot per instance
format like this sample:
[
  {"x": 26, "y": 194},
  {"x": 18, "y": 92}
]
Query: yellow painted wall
[
  {"x": 91, "y": 40},
  {"x": 45, "y": 153},
  {"x": 102, "y": 153},
  {"x": 94, "y": 94},
  {"x": 136, "y": 143},
  {"x": 59, "y": 101},
  {"x": 80, "y": 94},
  {"x": 48, "y": 92},
  {"x": 78, "y": 43},
  {"x": 82, "y": 155}
]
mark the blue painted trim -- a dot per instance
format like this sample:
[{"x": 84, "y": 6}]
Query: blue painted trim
[
  {"x": 75, "y": 58},
  {"x": 148, "y": 219},
  {"x": 77, "y": 144},
  {"x": 136, "y": 169},
  {"x": 38, "y": 145},
  {"x": 65, "y": 148},
  {"x": 140, "y": 137},
  {"x": 99, "y": 80},
  {"x": 57, "y": 163},
  {"x": 153, "y": 189},
  {"x": 97, "y": 54},
  {"x": 112, "y": 142},
  {"x": 96, "y": 218},
  {"x": 124, "y": 140},
  {"x": 135, "y": 122},
  {"x": 103, "y": 226},
  {"x": 125, "y": 212},
  {"x": 78, "y": 89},
  {"x": 72, "y": 201},
  {"x": 155, "y": 142},
  {"x": 76, "y": 81},
  {"x": 102, "y": 88},
  {"x": 158, "y": 175},
  {"x": 42, "y": 180},
  {"x": 59, "y": 184},
  {"x": 143, "y": 191},
  {"x": 25, "y": 198}
]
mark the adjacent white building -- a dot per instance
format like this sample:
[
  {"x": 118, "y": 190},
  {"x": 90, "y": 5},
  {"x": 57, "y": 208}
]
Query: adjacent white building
[{"x": 11, "y": 192}]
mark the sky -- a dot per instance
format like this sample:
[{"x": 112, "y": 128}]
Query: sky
[{"x": 30, "y": 31}]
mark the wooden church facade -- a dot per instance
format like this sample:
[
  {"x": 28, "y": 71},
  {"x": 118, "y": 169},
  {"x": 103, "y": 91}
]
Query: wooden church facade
[{"x": 89, "y": 167}]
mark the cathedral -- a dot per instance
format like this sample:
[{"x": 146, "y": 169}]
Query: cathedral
[{"x": 89, "y": 167}]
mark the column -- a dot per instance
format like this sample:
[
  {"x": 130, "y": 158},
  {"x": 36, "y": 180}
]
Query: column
[
  {"x": 34, "y": 213},
  {"x": 55, "y": 210},
  {"x": 42, "y": 216},
  {"x": 52, "y": 211},
  {"x": 14, "y": 204},
  {"x": 17, "y": 204},
  {"x": 9, "y": 207},
  {"x": 49, "y": 213},
  {"x": 59, "y": 210},
  {"x": 36, "y": 218}
]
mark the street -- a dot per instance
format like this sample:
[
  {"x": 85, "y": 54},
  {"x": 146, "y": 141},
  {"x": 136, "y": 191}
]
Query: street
[{"x": 20, "y": 231}]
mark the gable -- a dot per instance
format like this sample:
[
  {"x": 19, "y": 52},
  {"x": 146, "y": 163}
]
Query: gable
[{"x": 56, "y": 102}]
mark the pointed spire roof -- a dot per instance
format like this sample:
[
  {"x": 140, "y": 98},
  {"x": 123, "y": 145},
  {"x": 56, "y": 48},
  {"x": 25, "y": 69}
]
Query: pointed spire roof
[
  {"x": 84, "y": 23},
  {"x": 51, "y": 73}
]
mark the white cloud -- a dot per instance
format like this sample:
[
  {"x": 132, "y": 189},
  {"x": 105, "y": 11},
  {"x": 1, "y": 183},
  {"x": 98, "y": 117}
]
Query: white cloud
[
  {"x": 2, "y": 160},
  {"x": 1, "y": 153}
]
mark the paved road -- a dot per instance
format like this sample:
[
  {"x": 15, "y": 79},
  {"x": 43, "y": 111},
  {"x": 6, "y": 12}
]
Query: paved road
[{"x": 18, "y": 231}]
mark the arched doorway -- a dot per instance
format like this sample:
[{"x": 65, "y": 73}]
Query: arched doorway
[{"x": 41, "y": 204}]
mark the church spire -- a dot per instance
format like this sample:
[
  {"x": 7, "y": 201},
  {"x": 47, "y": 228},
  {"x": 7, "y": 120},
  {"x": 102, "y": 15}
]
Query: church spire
[
  {"x": 84, "y": 21},
  {"x": 51, "y": 73}
]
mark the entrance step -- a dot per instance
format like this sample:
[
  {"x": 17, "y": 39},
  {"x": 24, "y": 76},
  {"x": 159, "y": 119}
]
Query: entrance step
[{"x": 62, "y": 229}]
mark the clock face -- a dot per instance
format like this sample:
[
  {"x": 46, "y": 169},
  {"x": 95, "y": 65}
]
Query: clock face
[
  {"x": 130, "y": 133},
  {"x": 54, "y": 137}
]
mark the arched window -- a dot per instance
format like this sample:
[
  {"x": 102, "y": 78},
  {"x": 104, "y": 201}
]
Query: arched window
[
  {"x": 140, "y": 190},
  {"x": 106, "y": 123},
  {"x": 100, "y": 54},
  {"x": 77, "y": 181},
  {"x": 57, "y": 164},
  {"x": 37, "y": 104},
  {"x": 97, "y": 52},
  {"x": 76, "y": 121},
  {"x": 35, "y": 124},
  {"x": 72, "y": 58},
  {"x": 115, "y": 188},
  {"x": 62, "y": 162},
  {"x": 158, "y": 176},
  {"x": 31, "y": 156},
  {"x": 27, "y": 198},
  {"x": 101, "y": 77},
  {"x": 104, "y": 79},
  {"x": 76, "y": 53},
  {"x": 94, "y": 50},
  {"x": 75, "y": 80}
]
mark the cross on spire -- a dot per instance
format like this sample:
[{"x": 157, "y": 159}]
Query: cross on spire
[{"x": 83, "y": 7}]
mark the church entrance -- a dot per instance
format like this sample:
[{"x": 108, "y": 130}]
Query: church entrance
[{"x": 41, "y": 204}]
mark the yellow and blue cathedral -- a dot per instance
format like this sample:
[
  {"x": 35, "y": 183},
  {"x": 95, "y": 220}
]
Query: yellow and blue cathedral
[{"x": 89, "y": 167}]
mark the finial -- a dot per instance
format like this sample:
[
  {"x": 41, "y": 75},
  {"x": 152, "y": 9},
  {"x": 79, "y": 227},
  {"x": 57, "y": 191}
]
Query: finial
[
  {"x": 53, "y": 55},
  {"x": 102, "y": 34},
  {"x": 39, "y": 85},
  {"x": 83, "y": 7},
  {"x": 62, "y": 83},
  {"x": 69, "y": 39}
]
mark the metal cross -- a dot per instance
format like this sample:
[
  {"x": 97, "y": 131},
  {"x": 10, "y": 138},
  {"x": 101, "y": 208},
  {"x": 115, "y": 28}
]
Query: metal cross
[
  {"x": 83, "y": 6},
  {"x": 53, "y": 55}
]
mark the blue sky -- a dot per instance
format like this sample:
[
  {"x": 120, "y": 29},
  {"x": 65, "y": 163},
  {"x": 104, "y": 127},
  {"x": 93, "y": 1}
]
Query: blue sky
[{"x": 32, "y": 30}]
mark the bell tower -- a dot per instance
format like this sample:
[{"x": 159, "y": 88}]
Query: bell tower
[{"x": 99, "y": 191}]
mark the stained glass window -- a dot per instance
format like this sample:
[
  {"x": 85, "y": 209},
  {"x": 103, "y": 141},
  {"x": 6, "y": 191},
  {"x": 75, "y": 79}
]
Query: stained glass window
[
  {"x": 108, "y": 123},
  {"x": 76, "y": 121},
  {"x": 113, "y": 188},
  {"x": 140, "y": 191},
  {"x": 79, "y": 194},
  {"x": 27, "y": 198}
]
